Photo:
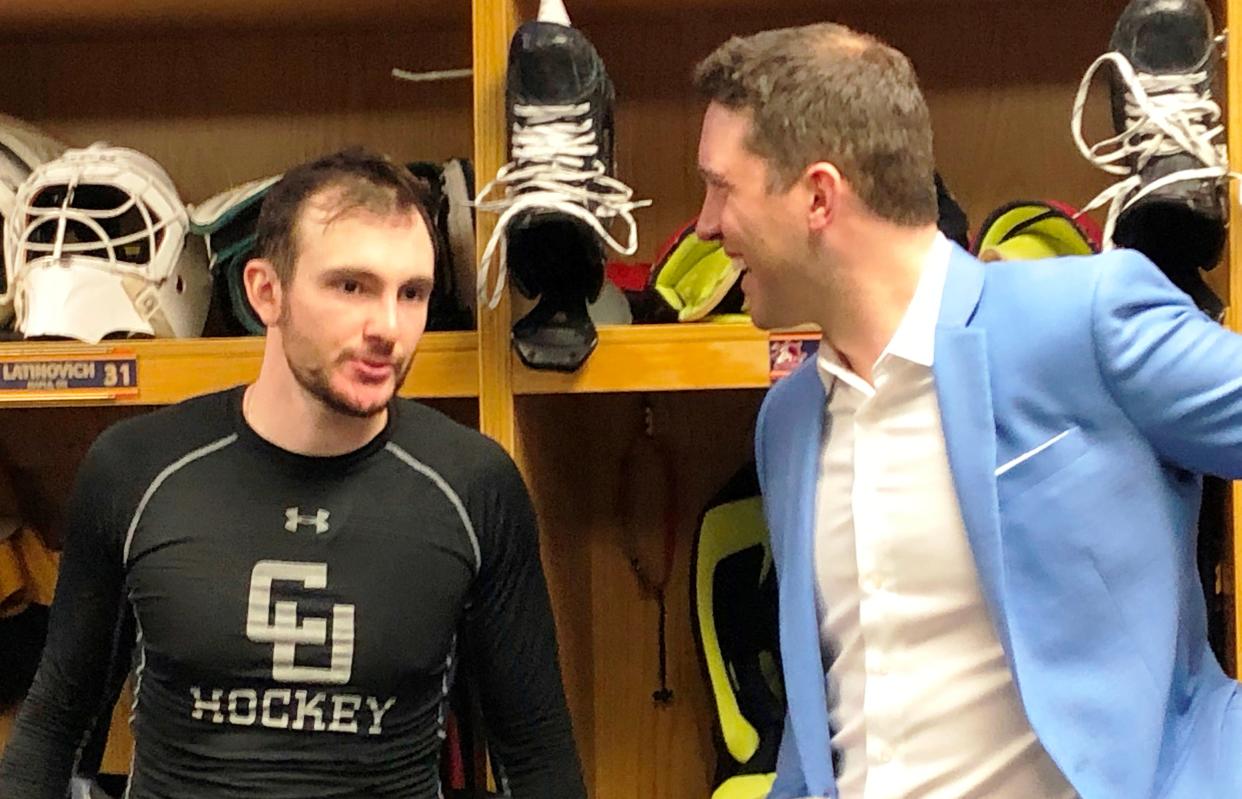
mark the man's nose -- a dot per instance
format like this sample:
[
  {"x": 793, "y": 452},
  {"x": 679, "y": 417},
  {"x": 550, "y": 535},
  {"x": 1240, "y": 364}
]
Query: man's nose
[
  {"x": 707, "y": 226},
  {"x": 382, "y": 321}
]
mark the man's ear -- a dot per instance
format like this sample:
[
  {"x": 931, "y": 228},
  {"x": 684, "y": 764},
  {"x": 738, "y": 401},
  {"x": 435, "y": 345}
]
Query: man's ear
[
  {"x": 824, "y": 184},
  {"x": 263, "y": 289}
]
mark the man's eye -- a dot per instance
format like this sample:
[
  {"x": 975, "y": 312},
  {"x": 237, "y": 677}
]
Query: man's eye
[
  {"x": 350, "y": 286},
  {"x": 412, "y": 293}
]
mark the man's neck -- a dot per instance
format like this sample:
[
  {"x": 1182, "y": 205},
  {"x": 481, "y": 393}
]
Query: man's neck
[
  {"x": 876, "y": 282},
  {"x": 281, "y": 411}
]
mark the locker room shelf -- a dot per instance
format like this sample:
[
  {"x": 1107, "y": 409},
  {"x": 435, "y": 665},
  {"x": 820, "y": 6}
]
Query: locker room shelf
[
  {"x": 285, "y": 14},
  {"x": 172, "y": 370},
  {"x": 660, "y": 358},
  {"x": 292, "y": 14}
]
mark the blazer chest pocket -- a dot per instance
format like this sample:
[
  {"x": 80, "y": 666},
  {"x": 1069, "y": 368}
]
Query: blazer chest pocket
[{"x": 1026, "y": 471}]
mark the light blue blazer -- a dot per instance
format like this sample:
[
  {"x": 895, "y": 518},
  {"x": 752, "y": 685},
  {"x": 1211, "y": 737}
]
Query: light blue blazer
[{"x": 1085, "y": 549}]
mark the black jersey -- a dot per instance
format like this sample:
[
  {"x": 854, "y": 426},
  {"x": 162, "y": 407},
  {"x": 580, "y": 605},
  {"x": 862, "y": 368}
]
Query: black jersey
[{"x": 297, "y": 617}]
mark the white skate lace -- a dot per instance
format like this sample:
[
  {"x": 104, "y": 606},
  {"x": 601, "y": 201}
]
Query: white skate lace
[
  {"x": 1165, "y": 115},
  {"x": 555, "y": 167}
]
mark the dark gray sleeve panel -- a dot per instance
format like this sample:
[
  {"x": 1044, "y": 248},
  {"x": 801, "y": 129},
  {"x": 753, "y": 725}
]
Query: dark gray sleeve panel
[
  {"x": 511, "y": 644},
  {"x": 88, "y": 637},
  {"x": 83, "y": 636}
]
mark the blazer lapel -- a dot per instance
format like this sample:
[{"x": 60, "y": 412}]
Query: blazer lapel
[
  {"x": 800, "y": 645},
  {"x": 964, "y": 391}
]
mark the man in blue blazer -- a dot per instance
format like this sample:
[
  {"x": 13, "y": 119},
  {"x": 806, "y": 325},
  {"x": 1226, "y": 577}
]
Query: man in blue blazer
[{"x": 983, "y": 495}]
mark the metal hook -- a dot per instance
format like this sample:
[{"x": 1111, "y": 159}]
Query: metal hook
[{"x": 648, "y": 416}]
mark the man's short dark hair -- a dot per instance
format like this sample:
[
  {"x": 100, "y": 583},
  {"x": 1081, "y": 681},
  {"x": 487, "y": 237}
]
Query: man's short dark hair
[
  {"x": 827, "y": 93},
  {"x": 359, "y": 179}
]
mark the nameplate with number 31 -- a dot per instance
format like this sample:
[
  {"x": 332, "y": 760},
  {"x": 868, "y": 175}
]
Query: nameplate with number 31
[{"x": 68, "y": 376}]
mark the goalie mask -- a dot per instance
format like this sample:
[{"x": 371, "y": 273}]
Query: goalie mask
[
  {"x": 22, "y": 148},
  {"x": 98, "y": 246}
]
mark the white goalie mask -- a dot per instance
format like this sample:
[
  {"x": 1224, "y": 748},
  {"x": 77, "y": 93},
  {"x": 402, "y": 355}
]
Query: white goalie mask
[
  {"x": 99, "y": 245},
  {"x": 22, "y": 148}
]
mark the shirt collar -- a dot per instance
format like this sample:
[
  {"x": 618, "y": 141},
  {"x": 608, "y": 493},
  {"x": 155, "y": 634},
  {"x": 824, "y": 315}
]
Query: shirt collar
[
  {"x": 916, "y": 334},
  {"x": 914, "y": 339}
]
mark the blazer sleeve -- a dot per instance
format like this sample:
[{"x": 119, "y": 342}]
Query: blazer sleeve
[{"x": 1174, "y": 372}]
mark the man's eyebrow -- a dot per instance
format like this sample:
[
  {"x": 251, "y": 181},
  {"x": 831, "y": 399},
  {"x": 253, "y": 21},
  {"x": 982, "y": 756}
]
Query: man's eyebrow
[
  {"x": 711, "y": 176},
  {"x": 422, "y": 283},
  {"x": 347, "y": 273}
]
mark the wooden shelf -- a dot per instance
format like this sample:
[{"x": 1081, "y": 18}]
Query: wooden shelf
[
  {"x": 288, "y": 14},
  {"x": 55, "y": 15},
  {"x": 172, "y": 370},
  {"x": 648, "y": 9},
  {"x": 660, "y": 358}
]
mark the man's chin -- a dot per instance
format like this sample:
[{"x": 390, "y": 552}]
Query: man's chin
[
  {"x": 361, "y": 402},
  {"x": 772, "y": 316},
  {"x": 361, "y": 411},
  {"x": 758, "y": 317}
]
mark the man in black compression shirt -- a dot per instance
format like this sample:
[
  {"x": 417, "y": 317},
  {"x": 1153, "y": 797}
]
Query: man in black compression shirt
[{"x": 300, "y": 555}]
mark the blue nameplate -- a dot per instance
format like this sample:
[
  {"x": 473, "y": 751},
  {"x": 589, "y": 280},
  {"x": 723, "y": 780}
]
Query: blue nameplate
[{"x": 78, "y": 376}]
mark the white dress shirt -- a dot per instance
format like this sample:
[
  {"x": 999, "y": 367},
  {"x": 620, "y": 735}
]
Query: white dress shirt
[{"x": 921, "y": 699}]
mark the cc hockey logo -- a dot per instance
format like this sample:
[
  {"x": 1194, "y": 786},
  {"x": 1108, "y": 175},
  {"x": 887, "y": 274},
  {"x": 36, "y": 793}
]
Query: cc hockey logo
[
  {"x": 292, "y": 627},
  {"x": 294, "y": 519},
  {"x": 278, "y": 622}
]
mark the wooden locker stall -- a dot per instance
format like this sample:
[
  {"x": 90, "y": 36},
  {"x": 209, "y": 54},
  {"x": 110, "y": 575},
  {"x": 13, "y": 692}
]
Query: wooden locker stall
[
  {"x": 1000, "y": 81},
  {"x": 229, "y": 90},
  {"x": 220, "y": 93}
]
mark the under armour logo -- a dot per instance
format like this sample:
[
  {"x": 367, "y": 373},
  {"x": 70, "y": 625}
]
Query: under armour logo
[{"x": 294, "y": 519}]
